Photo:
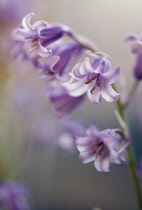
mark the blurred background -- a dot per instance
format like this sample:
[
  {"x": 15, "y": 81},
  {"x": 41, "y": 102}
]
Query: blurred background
[{"x": 56, "y": 179}]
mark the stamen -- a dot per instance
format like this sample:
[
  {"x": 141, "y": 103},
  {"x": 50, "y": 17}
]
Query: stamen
[
  {"x": 92, "y": 152},
  {"x": 95, "y": 144},
  {"x": 92, "y": 90},
  {"x": 48, "y": 72},
  {"x": 98, "y": 83},
  {"x": 30, "y": 37},
  {"x": 33, "y": 45},
  {"x": 90, "y": 80},
  {"x": 99, "y": 152}
]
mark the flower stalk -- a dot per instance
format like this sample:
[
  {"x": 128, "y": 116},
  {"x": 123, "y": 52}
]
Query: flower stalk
[{"x": 131, "y": 164}]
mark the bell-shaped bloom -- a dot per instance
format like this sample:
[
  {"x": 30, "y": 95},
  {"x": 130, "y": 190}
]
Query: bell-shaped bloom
[
  {"x": 64, "y": 55},
  {"x": 63, "y": 104},
  {"x": 99, "y": 146},
  {"x": 13, "y": 196},
  {"x": 95, "y": 79},
  {"x": 31, "y": 41},
  {"x": 136, "y": 48}
]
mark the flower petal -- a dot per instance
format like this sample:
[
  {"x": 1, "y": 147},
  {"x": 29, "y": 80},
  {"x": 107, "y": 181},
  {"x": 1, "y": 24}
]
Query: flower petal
[
  {"x": 86, "y": 67},
  {"x": 86, "y": 157},
  {"x": 40, "y": 25},
  {"x": 92, "y": 130},
  {"x": 112, "y": 75},
  {"x": 76, "y": 73},
  {"x": 102, "y": 164},
  {"x": 132, "y": 37},
  {"x": 26, "y": 21},
  {"x": 117, "y": 157},
  {"x": 43, "y": 52},
  {"x": 108, "y": 93},
  {"x": 95, "y": 97},
  {"x": 77, "y": 88}
]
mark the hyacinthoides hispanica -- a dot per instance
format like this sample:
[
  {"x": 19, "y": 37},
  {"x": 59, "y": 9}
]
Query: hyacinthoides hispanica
[{"x": 68, "y": 83}]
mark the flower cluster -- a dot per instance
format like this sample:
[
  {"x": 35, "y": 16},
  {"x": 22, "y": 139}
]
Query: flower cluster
[{"x": 54, "y": 57}]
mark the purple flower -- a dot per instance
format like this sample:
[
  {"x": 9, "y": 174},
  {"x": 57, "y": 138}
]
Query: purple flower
[
  {"x": 13, "y": 196},
  {"x": 137, "y": 42},
  {"x": 31, "y": 41},
  {"x": 98, "y": 146},
  {"x": 61, "y": 101},
  {"x": 95, "y": 79},
  {"x": 136, "y": 49},
  {"x": 64, "y": 54}
]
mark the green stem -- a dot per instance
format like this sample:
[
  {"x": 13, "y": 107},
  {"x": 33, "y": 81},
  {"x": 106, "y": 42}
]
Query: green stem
[{"x": 131, "y": 163}]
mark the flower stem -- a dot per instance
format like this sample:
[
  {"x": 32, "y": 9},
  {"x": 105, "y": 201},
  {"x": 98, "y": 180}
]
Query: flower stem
[{"x": 131, "y": 163}]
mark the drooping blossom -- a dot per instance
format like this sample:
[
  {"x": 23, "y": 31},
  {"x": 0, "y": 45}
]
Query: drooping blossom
[
  {"x": 13, "y": 196},
  {"x": 64, "y": 55},
  {"x": 63, "y": 104},
  {"x": 94, "y": 78},
  {"x": 99, "y": 146},
  {"x": 136, "y": 48},
  {"x": 31, "y": 41}
]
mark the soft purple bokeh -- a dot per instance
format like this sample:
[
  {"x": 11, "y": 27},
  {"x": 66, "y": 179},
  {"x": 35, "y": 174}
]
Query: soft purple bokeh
[
  {"x": 13, "y": 195},
  {"x": 136, "y": 49},
  {"x": 58, "y": 133}
]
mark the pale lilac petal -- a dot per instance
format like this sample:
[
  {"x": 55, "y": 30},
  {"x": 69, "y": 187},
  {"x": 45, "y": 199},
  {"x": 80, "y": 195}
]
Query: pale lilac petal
[
  {"x": 136, "y": 47},
  {"x": 102, "y": 164},
  {"x": 95, "y": 97},
  {"x": 112, "y": 75},
  {"x": 83, "y": 140},
  {"x": 39, "y": 25},
  {"x": 86, "y": 67},
  {"x": 77, "y": 88},
  {"x": 43, "y": 52},
  {"x": 117, "y": 157},
  {"x": 108, "y": 93},
  {"x": 86, "y": 157},
  {"x": 76, "y": 73},
  {"x": 92, "y": 130},
  {"x": 51, "y": 61},
  {"x": 132, "y": 37},
  {"x": 84, "y": 144},
  {"x": 26, "y": 21}
]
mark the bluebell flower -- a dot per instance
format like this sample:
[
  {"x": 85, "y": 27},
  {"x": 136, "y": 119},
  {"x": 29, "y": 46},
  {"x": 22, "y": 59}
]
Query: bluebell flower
[
  {"x": 63, "y": 104},
  {"x": 31, "y": 41},
  {"x": 99, "y": 146},
  {"x": 64, "y": 54},
  {"x": 94, "y": 79}
]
